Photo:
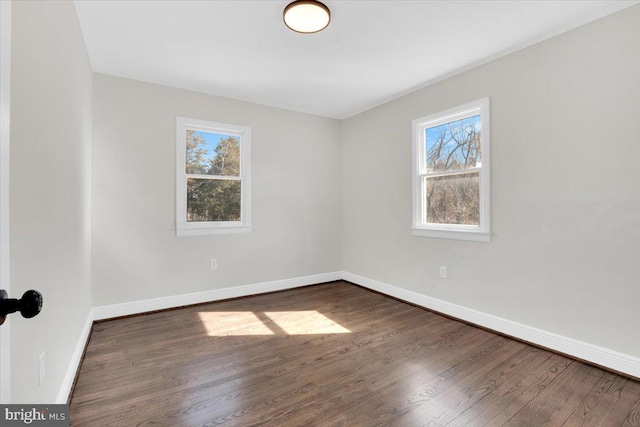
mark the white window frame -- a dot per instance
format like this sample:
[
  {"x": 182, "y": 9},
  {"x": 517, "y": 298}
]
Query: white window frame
[
  {"x": 477, "y": 233},
  {"x": 243, "y": 133}
]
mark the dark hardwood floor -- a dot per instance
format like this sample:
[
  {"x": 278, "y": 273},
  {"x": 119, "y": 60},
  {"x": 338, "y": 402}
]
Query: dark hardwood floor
[{"x": 333, "y": 355}]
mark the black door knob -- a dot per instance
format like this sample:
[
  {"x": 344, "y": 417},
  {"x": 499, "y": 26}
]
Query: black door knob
[{"x": 29, "y": 305}]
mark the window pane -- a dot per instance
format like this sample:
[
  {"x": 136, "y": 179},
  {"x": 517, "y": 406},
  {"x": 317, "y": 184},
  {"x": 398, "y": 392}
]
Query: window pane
[
  {"x": 454, "y": 145},
  {"x": 453, "y": 199},
  {"x": 213, "y": 200},
  {"x": 211, "y": 153}
]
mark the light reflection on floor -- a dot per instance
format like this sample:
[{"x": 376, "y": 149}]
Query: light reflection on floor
[
  {"x": 233, "y": 323},
  {"x": 242, "y": 323}
]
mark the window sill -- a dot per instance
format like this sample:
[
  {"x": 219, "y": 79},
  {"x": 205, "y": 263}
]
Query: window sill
[
  {"x": 207, "y": 231},
  {"x": 471, "y": 236}
]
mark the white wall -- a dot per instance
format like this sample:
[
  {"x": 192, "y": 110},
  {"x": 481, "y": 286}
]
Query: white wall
[
  {"x": 296, "y": 213},
  {"x": 51, "y": 89},
  {"x": 565, "y": 254}
]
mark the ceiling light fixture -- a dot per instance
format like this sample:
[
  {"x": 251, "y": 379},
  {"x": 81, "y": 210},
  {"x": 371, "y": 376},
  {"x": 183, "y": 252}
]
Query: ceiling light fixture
[{"x": 306, "y": 16}]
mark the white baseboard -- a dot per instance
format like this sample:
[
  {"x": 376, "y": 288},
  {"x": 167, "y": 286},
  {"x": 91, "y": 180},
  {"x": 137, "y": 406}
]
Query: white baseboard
[
  {"x": 74, "y": 364},
  {"x": 611, "y": 359},
  {"x": 136, "y": 307}
]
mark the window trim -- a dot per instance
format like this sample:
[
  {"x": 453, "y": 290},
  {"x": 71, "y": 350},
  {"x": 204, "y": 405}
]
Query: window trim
[
  {"x": 184, "y": 228},
  {"x": 482, "y": 232}
]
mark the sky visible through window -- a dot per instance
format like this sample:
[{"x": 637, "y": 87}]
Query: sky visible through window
[
  {"x": 212, "y": 140},
  {"x": 454, "y": 145}
]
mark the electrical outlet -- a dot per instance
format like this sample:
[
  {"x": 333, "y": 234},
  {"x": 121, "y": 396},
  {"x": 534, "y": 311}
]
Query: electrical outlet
[
  {"x": 41, "y": 369},
  {"x": 214, "y": 264},
  {"x": 443, "y": 272}
]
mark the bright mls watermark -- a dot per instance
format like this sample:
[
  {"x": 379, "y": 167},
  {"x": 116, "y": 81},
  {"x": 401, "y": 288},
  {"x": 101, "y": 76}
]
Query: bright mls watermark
[{"x": 34, "y": 415}]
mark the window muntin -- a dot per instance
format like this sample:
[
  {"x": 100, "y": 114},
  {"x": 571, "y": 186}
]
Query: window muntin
[
  {"x": 213, "y": 181},
  {"x": 451, "y": 173}
]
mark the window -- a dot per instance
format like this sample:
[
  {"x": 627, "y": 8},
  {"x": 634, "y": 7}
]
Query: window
[
  {"x": 451, "y": 188},
  {"x": 213, "y": 180}
]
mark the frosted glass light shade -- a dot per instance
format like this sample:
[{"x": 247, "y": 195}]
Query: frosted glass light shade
[{"x": 306, "y": 16}]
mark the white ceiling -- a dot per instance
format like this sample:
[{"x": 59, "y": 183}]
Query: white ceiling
[{"x": 372, "y": 51}]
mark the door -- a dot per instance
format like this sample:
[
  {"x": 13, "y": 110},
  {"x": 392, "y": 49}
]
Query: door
[{"x": 5, "y": 69}]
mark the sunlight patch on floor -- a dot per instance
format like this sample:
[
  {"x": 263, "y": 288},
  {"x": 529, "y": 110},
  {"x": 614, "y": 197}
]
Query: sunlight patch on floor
[
  {"x": 233, "y": 323},
  {"x": 242, "y": 323},
  {"x": 305, "y": 322}
]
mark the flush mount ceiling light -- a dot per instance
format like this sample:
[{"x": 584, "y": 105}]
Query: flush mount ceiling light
[{"x": 306, "y": 16}]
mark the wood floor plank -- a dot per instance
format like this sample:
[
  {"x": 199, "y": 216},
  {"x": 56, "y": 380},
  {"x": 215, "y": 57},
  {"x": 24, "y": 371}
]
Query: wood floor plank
[
  {"x": 604, "y": 394},
  {"x": 370, "y": 340},
  {"x": 553, "y": 405},
  {"x": 633, "y": 416},
  {"x": 384, "y": 374},
  {"x": 332, "y": 355},
  {"x": 615, "y": 403},
  {"x": 323, "y": 364},
  {"x": 470, "y": 389},
  {"x": 516, "y": 397},
  {"x": 510, "y": 393}
]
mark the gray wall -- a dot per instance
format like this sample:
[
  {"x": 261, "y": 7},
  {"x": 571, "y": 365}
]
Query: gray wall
[
  {"x": 565, "y": 254},
  {"x": 296, "y": 214},
  {"x": 51, "y": 92}
]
